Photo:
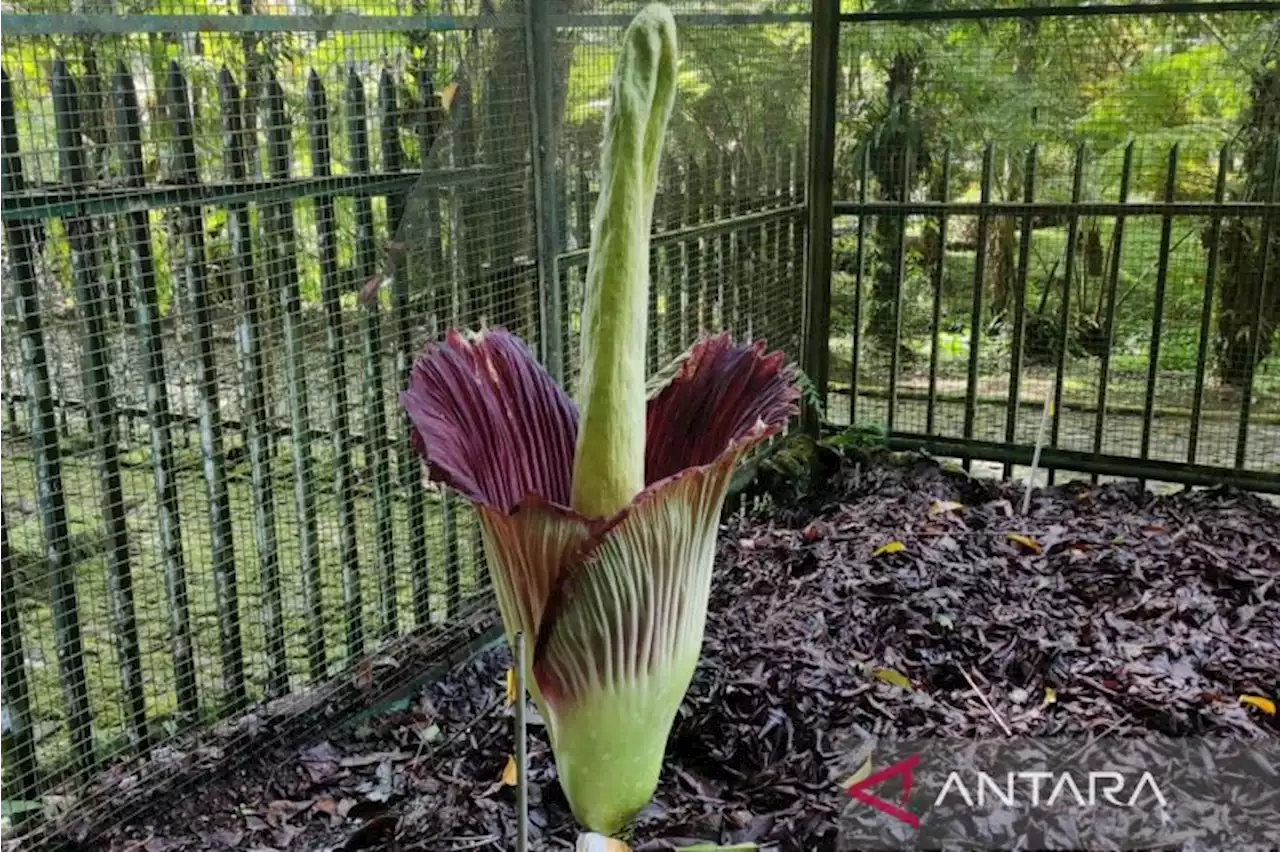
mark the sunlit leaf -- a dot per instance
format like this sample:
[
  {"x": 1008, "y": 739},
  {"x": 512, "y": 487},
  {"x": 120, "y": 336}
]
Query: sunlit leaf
[
  {"x": 862, "y": 772},
  {"x": 511, "y": 686},
  {"x": 891, "y": 547},
  {"x": 1266, "y": 705},
  {"x": 940, "y": 507},
  {"x": 509, "y": 772},
  {"x": 1050, "y": 695},
  {"x": 894, "y": 678},
  {"x": 447, "y": 95},
  {"x": 1025, "y": 541}
]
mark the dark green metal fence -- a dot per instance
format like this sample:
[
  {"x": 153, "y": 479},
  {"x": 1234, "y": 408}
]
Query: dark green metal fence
[
  {"x": 227, "y": 233},
  {"x": 1096, "y": 272}
]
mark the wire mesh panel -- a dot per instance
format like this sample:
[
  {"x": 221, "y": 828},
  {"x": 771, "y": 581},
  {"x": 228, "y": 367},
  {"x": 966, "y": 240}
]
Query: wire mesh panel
[
  {"x": 1062, "y": 209},
  {"x": 228, "y": 231},
  {"x": 728, "y": 220},
  {"x": 209, "y": 495}
]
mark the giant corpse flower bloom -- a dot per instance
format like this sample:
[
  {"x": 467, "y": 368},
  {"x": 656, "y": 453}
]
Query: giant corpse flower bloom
[{"x": 600, "y": 519}]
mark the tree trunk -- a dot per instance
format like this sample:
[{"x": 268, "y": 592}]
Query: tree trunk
[
  {"x": 1005, "y": 233},
  {"x": 1000, "y": 260},
  {"x": 1243, "y": 288},
  {"x": 889, "y": 163}
]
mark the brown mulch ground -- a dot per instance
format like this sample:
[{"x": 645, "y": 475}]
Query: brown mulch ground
[{"x": 1134, "y": 613}]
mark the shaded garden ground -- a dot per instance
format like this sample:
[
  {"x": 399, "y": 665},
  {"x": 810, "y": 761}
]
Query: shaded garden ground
[{"x": 1114, "y": 613}]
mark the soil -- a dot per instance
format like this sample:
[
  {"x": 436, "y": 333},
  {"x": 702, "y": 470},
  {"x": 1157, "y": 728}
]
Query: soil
[{"x": 1103, "y": 612}]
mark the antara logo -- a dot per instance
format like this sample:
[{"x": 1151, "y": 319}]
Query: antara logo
[
  {"x": 858, "y": 790},
  {"x": 1011, "y": 789},
  {"x": 1063, "y": 789}
]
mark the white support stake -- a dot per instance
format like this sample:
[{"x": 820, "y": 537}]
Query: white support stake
[{"x": 1035, "y": 456}]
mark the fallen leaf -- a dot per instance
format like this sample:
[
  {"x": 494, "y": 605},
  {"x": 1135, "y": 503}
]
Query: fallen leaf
[
  {"x": 284, "y": 836},
  {"x": 226, "y": 839},
  {"x": 378, "y": 833},
  {"x": 385, "y": 784},
  {"x": 358, "y": 761},
  {"x": 1266, "y": 705},
  {"x": 363, "y": 675},
  {"x": 253, "y": 823},
  {"x": 325, "y": 805},
  {"x": 945, "y": 621},
  {"x": 863, "y": 771},
  {"x": 891, "y": 547},
  {"x": 940, "y": 507},
  {"x": 1026, "y": 541},
  {"x": 893, "y": 677},
  {"x": 509, "y": 773},
  {"x": 1050, "y": 695}
]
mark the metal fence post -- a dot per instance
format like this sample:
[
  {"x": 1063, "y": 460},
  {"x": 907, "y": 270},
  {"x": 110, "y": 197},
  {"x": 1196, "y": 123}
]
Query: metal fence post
[
  {"x": 825, "y": 29},
  {"x": 539, "y": 34}
]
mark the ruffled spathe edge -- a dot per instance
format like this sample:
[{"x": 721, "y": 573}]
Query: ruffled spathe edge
[{"x": 490, "y": 423}]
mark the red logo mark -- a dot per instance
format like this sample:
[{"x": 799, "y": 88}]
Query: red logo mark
[{"x": 858, "y": 790}]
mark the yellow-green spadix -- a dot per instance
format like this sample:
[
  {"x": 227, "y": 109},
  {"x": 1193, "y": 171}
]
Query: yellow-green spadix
[{"x": 600, "y": 518}]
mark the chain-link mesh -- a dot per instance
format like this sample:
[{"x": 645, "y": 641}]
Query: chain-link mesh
[
  {"x": 228, "y": 232},
  {"x": 1148, "y": 329}
]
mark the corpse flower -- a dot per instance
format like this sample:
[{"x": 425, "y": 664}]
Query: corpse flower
[{"x": 599, "y": 520}]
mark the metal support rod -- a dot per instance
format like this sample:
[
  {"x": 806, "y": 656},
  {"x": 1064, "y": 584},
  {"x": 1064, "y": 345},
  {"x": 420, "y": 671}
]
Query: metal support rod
[
  {"x": 1206, "y": 309},
  {"x": 1256, "y": 350},
  {"x": 1109, "y": 321},
  {"x": 825, "y": 29},
  {"x": 538, "y": 38},
  {"x": 1157, "y": 320},
  {"x": 1064, "y": 309},
  {"x": 522, "y": 750}
]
